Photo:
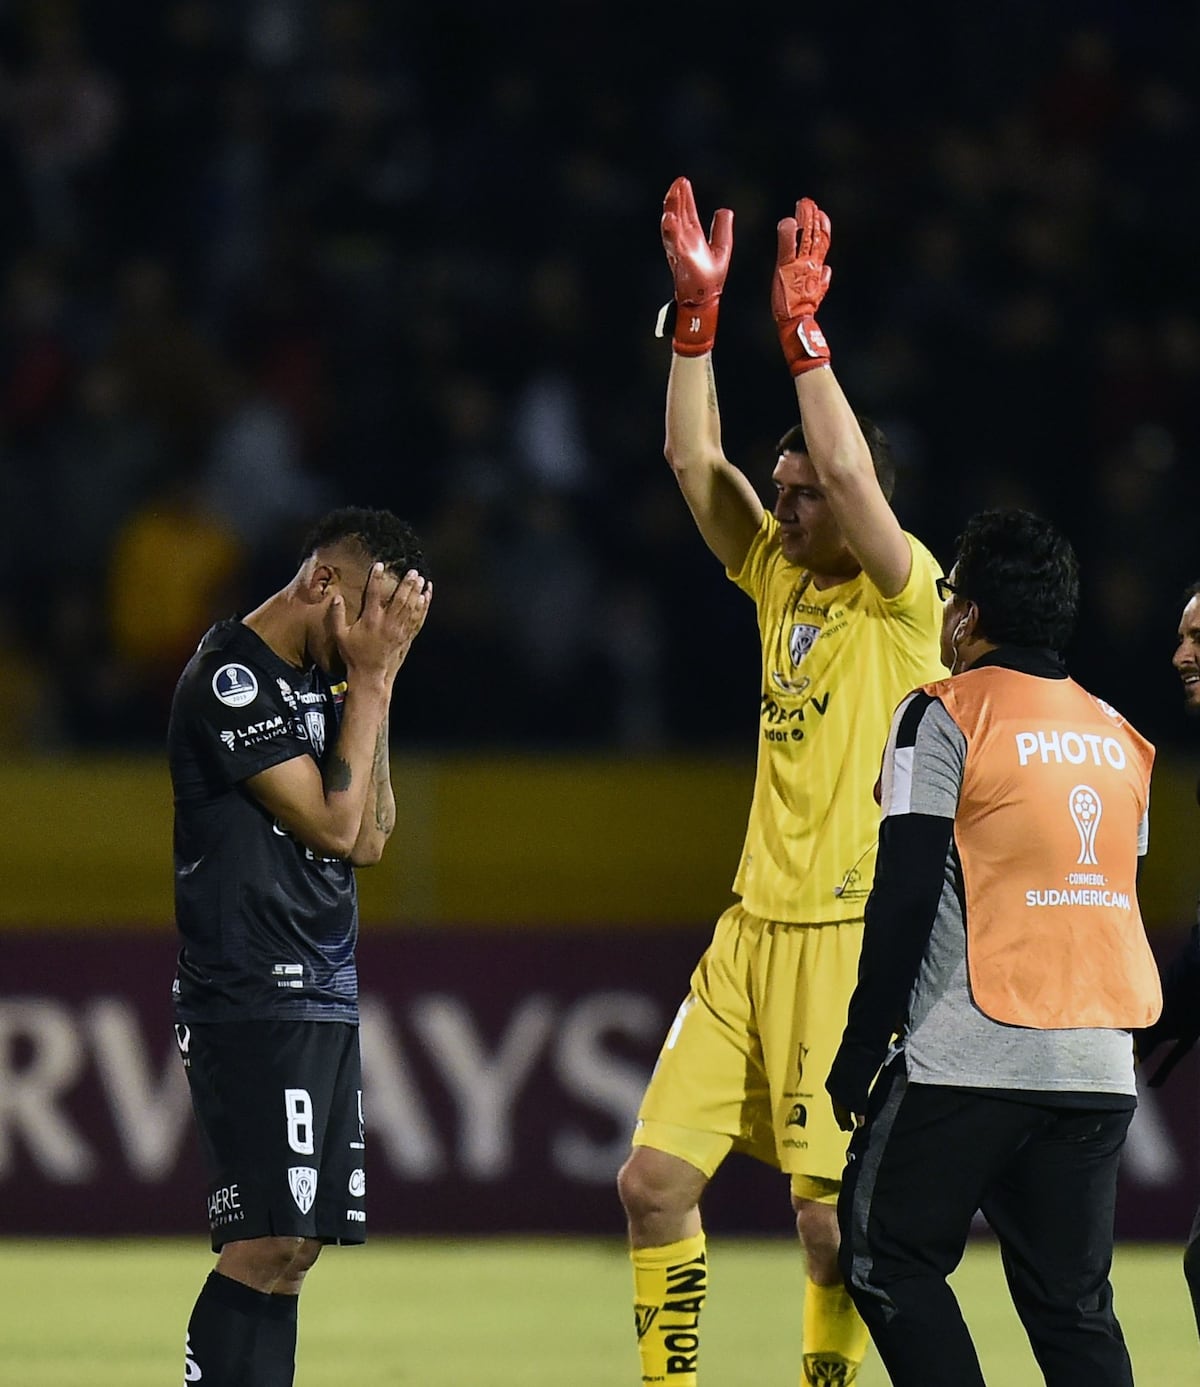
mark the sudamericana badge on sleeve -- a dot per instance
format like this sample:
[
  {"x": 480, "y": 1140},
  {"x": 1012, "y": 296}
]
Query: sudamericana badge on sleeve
[{"x": 235, "y": 685}]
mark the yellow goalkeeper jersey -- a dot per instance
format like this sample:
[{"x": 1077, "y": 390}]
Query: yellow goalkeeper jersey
[{"x": 836, "y": 662}]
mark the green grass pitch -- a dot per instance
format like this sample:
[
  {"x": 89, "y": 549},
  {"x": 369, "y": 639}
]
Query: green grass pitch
[{"x": 503, "y": 1313}]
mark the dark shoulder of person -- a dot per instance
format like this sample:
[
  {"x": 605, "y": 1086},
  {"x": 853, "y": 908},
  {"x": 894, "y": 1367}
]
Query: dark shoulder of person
[{"x": 228, "y": 705}]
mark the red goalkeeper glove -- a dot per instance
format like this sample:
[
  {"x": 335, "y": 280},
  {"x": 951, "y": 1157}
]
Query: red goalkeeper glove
[
  {"x": 801, "y": 280},
  {"x": 699, "y": 265}
]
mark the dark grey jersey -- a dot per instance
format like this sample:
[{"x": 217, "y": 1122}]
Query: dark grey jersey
[{"x": 268, "y": 927}]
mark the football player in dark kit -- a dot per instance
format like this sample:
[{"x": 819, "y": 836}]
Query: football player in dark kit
[{"x": 279, "y": 759}]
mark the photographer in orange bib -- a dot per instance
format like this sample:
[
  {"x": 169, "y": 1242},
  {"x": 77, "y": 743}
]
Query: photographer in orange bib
[
  {"x": 848, "y": 616},
  {"x": 1004, "y": 965}
]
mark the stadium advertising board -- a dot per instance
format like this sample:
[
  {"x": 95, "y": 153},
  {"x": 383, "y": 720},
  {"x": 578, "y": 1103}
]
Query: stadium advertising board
[{"x": 502, "y": 1072}]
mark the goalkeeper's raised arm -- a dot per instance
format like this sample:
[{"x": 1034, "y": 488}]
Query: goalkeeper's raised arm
[
  {"x": 725, "y": 506},
  {"x": 836, "y": 446}
]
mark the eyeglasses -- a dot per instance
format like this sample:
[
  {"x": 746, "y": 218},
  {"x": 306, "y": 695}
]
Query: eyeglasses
[{"x": 946, "y": 589}]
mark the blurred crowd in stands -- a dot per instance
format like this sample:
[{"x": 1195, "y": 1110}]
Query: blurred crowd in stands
[{"x": 264, "y": 257}]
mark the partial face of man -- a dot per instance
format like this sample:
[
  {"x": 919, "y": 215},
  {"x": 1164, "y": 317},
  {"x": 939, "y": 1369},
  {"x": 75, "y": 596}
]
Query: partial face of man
[
  {"x": 809, "y": 535},
  {"x": 952, "y": 614},
  {"x": 1187, "y": 656},
  {"x": 350, "y": 569}
]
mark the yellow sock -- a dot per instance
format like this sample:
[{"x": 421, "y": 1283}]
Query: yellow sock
[
  {"x": 835, "y": 1338},
  {"x": 669, "y": 1286}
]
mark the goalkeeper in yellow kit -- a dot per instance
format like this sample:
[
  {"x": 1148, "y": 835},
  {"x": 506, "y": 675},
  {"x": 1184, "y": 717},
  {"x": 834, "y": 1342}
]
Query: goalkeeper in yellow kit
[{"x": 849, "y": 618}]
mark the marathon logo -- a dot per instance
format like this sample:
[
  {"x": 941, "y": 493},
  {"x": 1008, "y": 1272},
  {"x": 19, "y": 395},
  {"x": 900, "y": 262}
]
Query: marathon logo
[{"x": 1072, "y": 748}]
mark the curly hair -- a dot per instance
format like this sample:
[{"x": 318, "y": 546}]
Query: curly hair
[
  {"x": 1022, "y": 575},
  {"x": 383, "y": 536}
]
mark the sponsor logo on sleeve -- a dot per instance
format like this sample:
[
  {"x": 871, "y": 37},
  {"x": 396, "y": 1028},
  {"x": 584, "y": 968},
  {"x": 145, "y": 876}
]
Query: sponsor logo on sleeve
[
  {"x": 255, "y": 733},
  {"x": 235, "y": 686},
  {"x": 358, "y": 1183}
]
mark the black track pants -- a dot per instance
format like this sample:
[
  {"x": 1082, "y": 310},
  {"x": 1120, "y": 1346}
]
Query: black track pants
[{"x": 1045, "y": 1178}]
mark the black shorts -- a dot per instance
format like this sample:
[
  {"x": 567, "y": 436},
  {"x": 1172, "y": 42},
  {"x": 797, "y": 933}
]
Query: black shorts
[{"x": 279, "y": 1108}]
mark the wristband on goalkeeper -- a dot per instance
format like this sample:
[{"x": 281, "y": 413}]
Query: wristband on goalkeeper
[
  {"x": 804, "y": 345},
  {"x": 695, "y": 327}
]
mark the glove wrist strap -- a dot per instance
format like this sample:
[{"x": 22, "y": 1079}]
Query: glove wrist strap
[
  {"x": 695, "y": 327},
  {"x": 804, "y": 345}
]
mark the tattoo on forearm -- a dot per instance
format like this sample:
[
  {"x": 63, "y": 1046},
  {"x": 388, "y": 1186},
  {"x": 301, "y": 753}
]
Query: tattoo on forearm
[
  {"x": 338, "y": 775},
  {"x": 385, "y": 813},
  {"x": 385, "y": 808},
  {"x": 712, "y": 388}
]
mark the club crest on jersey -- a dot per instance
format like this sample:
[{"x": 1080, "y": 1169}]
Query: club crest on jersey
[
  {"x": 802, "y": 640},
  {"x": 303, "y": 1182},
  {"x": 235, "y": 685},
  {"x": 314, "y": 722}
]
